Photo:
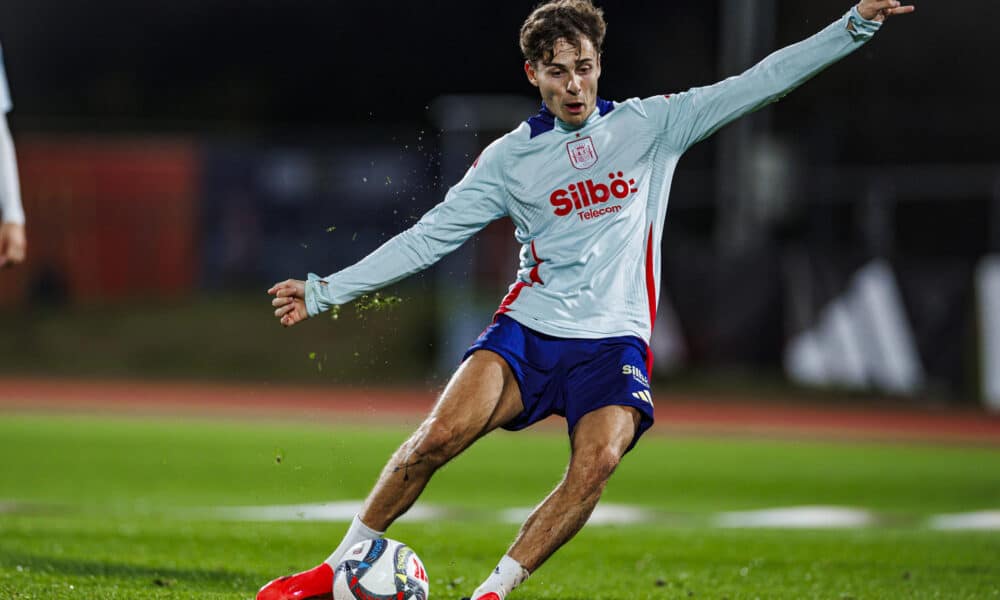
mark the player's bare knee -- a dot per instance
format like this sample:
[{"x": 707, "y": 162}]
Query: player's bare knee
[
  {"x": 591, "y": 469},
  {"x": 437, "y": 441}
]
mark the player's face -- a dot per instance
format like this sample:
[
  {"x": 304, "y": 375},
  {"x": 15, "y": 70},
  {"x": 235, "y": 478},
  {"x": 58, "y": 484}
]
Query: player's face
[{"x": 568, "y": 82}]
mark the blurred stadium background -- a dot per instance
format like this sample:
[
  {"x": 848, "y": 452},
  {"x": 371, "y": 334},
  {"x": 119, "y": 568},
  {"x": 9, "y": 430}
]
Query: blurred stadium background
[
  {"x": 830, "y": 283},
  {"x": 177, "y": 158}
]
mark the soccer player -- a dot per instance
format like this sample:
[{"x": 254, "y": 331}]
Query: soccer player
[
  {"x": 585, "y": 182},
  {"x": 13, "y": 242}
]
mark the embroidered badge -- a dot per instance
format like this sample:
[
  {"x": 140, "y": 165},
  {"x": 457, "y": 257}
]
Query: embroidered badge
[{"x": 582, "y": 154}]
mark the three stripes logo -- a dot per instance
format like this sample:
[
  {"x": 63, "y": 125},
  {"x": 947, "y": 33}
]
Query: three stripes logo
[{"x": 643, "y": 395}]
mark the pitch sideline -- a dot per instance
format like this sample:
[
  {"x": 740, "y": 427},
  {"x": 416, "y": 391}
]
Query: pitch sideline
[{"x": 790, "y": 517}]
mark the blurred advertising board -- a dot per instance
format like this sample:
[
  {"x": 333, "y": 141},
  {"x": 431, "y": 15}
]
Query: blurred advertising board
[{"x": 106, "y": 219}]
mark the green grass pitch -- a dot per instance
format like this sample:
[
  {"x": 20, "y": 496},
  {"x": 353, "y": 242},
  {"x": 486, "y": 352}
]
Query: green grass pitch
[{"x": 96, "y": 507}]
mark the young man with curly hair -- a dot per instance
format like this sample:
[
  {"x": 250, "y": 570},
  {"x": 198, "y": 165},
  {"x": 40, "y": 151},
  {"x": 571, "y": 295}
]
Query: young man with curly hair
[{"x": 586, "y": 183}]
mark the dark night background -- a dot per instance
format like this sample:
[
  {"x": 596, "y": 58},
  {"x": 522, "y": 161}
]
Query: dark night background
[
  {"x": 343, "y": 89},
  {"x": 924, "y": 90}
]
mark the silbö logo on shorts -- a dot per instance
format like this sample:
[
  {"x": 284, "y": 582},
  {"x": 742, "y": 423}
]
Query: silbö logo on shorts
[{"x": 636, "y": 373}]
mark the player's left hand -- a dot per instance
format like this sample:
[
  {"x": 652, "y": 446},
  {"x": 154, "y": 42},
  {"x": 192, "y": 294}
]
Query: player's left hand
[
  {"x": 289, "y": 301},
  {"x": 880, "y": 10},
  {"x": 13, "y": 244}
]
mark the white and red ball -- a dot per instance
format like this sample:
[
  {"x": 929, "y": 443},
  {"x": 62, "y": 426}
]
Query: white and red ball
[{"x": 381, "y": 569}]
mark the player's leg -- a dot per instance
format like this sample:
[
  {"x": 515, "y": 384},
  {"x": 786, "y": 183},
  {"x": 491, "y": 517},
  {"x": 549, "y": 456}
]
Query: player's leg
[
  {"x": 482, "y": 395},
  {"x": 599, "y": 440},
  {"x": 598, "y": 443}
]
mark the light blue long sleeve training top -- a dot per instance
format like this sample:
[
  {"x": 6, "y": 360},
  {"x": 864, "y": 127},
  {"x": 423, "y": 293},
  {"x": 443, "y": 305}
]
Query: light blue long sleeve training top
[
  {"x": 5, "y": 103},
  {"x": 588, "y": 203},
  {"x": 10, "y": 191}
]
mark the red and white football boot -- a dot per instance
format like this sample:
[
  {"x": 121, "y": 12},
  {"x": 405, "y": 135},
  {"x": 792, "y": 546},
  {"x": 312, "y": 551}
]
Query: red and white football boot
[{"x": 316, "y": 583}]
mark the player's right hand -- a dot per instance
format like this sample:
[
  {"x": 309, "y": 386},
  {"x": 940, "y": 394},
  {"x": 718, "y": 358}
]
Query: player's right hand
[
  {"x": 13, "y": 244},
  {"x": 289, "y": 301},
  {"x": 880, "y": 10}
]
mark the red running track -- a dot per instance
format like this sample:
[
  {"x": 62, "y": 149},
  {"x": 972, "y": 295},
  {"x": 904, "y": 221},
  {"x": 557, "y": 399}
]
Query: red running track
[{"x": 684, "y": 413}]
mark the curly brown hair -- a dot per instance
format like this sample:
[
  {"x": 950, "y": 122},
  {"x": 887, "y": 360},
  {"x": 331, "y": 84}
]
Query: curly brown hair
[{"x": 569, "y": 20}]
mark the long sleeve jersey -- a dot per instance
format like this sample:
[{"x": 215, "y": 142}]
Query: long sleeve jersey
[
  {"x": 10, "y": 191},
  {"x": 588, "y": 203},
  {"x": 5, "y": 103}
]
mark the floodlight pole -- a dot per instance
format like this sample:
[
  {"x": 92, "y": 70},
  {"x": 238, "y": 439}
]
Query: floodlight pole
[
  {"x": 747, "y": 33},
  {"x": 988, "y": 303}
]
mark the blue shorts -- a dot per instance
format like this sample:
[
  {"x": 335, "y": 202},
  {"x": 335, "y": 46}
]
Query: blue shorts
[{"x": 570, "y": 377}]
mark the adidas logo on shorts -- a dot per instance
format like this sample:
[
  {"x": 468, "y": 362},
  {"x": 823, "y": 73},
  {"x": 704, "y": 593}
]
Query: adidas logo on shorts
[{"x": 643, "y": 395}]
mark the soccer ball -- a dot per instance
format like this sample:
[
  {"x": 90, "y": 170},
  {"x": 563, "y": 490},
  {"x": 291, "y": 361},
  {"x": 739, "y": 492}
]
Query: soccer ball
[{"x": 381, "y": 569}]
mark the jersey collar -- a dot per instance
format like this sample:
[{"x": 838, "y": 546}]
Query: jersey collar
[{"x": 546, "y": 121}]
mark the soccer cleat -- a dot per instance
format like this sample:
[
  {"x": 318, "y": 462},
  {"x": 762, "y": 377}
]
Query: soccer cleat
[
  {"x": 315, "y": 583},
  {"x": 487, "y": 596}
]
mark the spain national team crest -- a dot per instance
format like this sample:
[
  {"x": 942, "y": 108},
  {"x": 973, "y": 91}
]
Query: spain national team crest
[{"x": 582, "y": 153}]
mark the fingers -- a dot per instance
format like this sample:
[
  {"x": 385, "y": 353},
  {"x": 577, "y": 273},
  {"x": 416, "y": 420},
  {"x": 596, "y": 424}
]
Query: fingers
[
  {"x": 13, "y": 254},
  {"x": 884, "y": 5},
  {"x": 13, "y": 244},
  {"x": 281, "y": 285},
  {"x": 281, "y": 311},
  {"x": 879, "y": 10},
  {"x": 291, "y": 288},
  {"x": 281, "y": 291},
  {"x": 297, "y": 314},
  {"x": 289, "y": 302}
]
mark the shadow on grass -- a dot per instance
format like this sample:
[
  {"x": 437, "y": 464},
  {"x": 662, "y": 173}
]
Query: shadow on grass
[{"x": 140, "y": 575}]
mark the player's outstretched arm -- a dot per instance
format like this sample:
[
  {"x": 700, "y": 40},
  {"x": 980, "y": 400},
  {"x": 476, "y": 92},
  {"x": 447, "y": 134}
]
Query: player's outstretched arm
[
  {"x": 880, "y": 10},
  {"x": 289, "y": 301},
  {"x": 477, "y": 200},
  {"x": 694, "y": 115}
]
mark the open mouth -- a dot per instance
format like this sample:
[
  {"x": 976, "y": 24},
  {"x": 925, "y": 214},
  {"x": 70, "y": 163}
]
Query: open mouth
[{"x": 574, "y": 108}]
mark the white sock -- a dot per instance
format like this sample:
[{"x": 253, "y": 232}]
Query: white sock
[
  {"x": 508, "y": 575},
  {"x": 357, "y": 532}
]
